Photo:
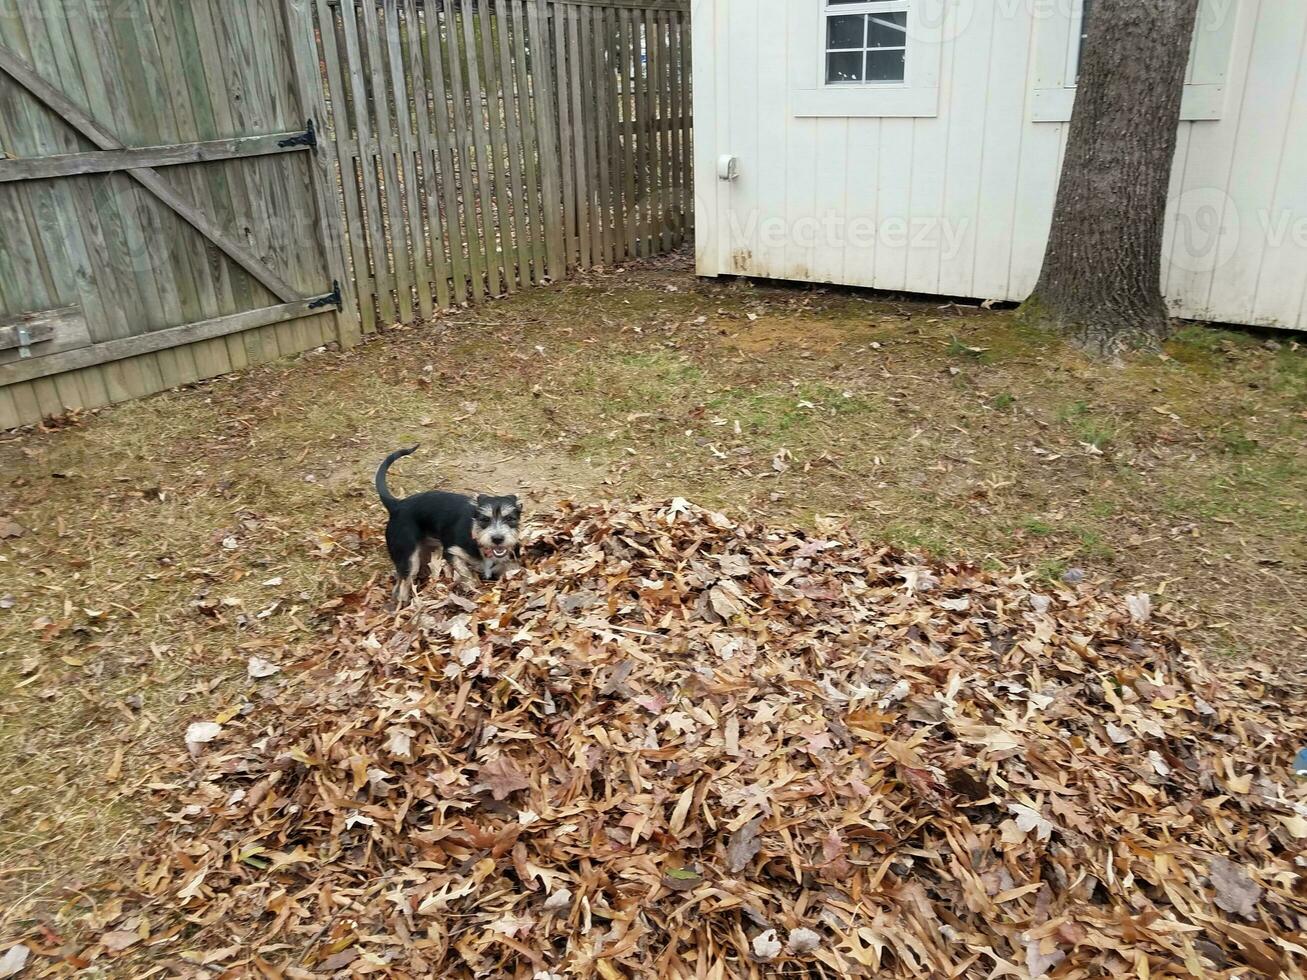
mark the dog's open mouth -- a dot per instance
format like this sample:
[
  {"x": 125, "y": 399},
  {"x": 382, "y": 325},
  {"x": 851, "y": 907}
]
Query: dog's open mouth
[{"x": 499, "y": 552}]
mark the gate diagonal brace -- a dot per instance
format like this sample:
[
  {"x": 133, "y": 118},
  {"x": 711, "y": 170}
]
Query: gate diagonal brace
[{"x": 54, "y": 99}]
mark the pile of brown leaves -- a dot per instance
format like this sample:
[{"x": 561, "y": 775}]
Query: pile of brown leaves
[{"x": 679, "y": 746}]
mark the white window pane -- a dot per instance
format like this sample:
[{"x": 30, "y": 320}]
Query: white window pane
[
  {"x": 885, "y": 66},
  {"x": 886, "y": 30},
  {"x": 845, "y": 32},
  {"x": 844, "y": 66}
]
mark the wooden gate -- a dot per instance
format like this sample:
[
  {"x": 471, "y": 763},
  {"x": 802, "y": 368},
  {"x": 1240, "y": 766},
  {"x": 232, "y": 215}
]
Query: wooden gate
[
  {"x": 489, "y": 145},
  {"x": 167, "y": 213}
]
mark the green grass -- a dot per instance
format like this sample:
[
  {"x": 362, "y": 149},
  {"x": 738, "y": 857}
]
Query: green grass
[
  {"x": 778, "y": 410},
  {"x": 1033, "y": 525},
  {"x": 1094, "y": 547},
  {"x": 916, "y": 537},
  {"x": 1101, "y": 508},
  {"x": 957, "y": 348},
  {"x": 1087, "y": 426},
  {"x": 1051, "y": 570}
]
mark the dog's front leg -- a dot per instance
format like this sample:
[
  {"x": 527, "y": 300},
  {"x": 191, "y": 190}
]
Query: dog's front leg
[
  {"x": 403, "y": 592},
  {"x": 464, "y": 567}
]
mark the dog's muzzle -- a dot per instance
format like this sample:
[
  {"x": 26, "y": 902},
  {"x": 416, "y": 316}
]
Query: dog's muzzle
[{"x": 498, "y": 542}]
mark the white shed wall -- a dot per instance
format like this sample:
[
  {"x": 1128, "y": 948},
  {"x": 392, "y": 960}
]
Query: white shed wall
[{"x": 959, "y": 202}]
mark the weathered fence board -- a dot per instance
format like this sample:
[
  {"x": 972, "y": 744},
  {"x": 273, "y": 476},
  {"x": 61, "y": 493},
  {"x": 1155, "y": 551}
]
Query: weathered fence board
[
  {"x": 453, "y": 228},
  {"x": 346, "y": 152},
  {"x": 504, "y": 142}
]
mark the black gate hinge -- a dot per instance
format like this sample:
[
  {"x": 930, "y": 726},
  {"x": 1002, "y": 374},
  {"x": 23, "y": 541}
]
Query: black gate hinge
[
  {"x": 331, "y": 299},
  {"x": 307, "y": 138}
]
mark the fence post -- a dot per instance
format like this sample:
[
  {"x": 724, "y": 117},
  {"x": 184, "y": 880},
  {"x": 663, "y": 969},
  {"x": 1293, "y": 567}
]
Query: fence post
[{"x": 308, "y": 83}]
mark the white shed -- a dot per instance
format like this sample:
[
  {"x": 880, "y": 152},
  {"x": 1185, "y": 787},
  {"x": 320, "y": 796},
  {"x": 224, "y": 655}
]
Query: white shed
[{"x": 916, "y": 145}]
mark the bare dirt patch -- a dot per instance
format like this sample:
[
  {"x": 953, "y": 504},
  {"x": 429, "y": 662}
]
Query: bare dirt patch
[
  {"x": 541, "y": 479},
  {"x": 767, "y": 335}
]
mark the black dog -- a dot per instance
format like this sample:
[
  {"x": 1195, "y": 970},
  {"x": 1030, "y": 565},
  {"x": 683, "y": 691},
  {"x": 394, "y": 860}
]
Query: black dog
[{"x": 480, "y": 538}]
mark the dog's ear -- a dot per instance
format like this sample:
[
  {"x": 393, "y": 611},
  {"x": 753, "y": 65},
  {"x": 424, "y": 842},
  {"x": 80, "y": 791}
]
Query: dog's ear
[{"x": 482, "y": 500}]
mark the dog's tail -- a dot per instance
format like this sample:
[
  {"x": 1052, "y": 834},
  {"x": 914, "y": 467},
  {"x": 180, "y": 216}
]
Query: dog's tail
[{"x": 387, "y": 498}]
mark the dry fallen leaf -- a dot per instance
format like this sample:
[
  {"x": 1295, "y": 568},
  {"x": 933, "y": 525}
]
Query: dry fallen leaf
[
  {"x": 1039, "y": 962},
  {"x": 200, "y": 732},
  {"x": 802, "y": 941},
  {"x": 399, "y": 741},
  {"x": 119, "y": 940},
  {"x": 682, "y": 879},
  {"x": 1140, "y": 606},
  {"x": 503, "y": 778},
  {"x": 1027, "y": 819},
  {"x": 766, "y": 946},
  {"x": 13, "y": 961},
  {"x": 1235, "y": 891},
  {"x": 1295, "y": 825},
  {"x": 258, "y": 667},
  {"x": 724, "y": 604},
  {"x": 115, "y": 770},
  {"x": 559, "y": 901},
  {"x": 743, "y": 846}
]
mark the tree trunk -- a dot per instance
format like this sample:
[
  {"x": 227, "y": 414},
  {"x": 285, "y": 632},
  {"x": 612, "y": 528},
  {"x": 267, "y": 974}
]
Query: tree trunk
[{"x": 1102, "y": 274}]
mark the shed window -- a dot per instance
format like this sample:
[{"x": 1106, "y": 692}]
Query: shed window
[
  {"x": 1060, "y": 46},
  {"x": 866, "y": 41},
  {"x": 1081, "y": 35}
]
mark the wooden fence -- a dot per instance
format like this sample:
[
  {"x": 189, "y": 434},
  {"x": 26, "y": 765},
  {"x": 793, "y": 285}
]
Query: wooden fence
[
  {"x": 163, "y": 216},
  {"x": 485, "y": 147},
  {"x": 188, "y": 187}
]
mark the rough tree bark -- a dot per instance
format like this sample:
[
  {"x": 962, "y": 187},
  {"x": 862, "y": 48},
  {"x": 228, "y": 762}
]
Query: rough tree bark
[{"x": 1101, "y": 279}]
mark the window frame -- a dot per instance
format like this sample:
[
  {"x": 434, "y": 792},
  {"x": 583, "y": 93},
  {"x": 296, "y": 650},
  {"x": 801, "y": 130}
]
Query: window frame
[
  {"x": 1058, "y": 64},
  {"x": 864, "y": 9},
  {"x": 1075, "y": 43},
  {"x": 811, "y": 96}
]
